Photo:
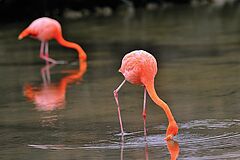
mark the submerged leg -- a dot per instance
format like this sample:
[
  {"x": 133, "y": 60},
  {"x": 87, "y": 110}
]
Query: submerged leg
[
  {"x": 115, "y": 92},
  {"x": 122, "y": 148},
  {"x": 46, "y": 52},
  {"x": 146, "y": 150},
  {"x": 144, "y": 113}
]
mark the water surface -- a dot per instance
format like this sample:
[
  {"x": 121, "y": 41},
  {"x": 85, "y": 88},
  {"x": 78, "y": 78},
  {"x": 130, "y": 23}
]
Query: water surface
[{"x": 197, "y": 50}]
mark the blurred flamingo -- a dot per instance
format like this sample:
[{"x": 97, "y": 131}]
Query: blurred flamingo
[
  {"x": 50, "y": 96},
  {"x": 45, "y": 29},
  {"x": 140, "y": 67}
]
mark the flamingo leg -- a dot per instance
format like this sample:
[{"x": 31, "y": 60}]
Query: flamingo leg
[
  {"x": 115, "y": 92},
  {"x": 44, "y": 54},
  {"x": 46, "y": 50},
  {"x": 42, "y": 49},
  {"x": 144, "y": 113}
]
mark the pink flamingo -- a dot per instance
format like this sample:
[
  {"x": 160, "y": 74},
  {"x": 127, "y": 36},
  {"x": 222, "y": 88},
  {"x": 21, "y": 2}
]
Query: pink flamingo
[
  {"x": 45, "y": 29},
  {"x": 140, "y": 67}
]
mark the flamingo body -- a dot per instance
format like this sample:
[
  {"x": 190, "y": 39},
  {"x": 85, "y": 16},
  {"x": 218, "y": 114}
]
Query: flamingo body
[
  {"x": 45, "y": 29},
  {"x": 140, "y": 67}
]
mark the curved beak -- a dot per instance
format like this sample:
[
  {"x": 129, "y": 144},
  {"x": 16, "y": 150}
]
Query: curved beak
[
  {"x": 23, "y": 34},
  {"x": 169, "y": 137}
]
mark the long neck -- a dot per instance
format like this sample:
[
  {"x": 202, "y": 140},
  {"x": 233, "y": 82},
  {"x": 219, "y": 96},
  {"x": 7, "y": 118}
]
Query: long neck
[
  {"x": 152, "y": 93},
  {"x": 82, "y": 55}
]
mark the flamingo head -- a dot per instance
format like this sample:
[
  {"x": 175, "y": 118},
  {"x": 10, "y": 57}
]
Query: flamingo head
[
  {"x": 172, "y": 130},
  {"x": 24, "y": 33}
]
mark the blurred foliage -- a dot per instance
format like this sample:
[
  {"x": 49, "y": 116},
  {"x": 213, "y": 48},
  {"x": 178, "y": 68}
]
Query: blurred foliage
[{"x": 15, "y": 10}]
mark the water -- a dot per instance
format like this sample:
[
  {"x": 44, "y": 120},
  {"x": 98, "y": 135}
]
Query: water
[{"x": 197, "y": 50}]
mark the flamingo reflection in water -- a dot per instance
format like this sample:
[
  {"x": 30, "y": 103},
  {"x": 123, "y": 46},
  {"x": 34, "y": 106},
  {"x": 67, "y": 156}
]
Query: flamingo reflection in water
[
  {"x": 172, "y": 146},
  {"x": 51, "y": 96},
  {"x": 173, "y": 149}
]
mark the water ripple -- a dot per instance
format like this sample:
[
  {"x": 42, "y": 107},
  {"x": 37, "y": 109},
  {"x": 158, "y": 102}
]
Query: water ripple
[
  {"x": 220, "y": 140},
  {"x": 210, "y": 124}
]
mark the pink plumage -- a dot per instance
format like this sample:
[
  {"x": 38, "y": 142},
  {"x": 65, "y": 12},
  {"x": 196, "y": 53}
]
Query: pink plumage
[{"x": 140, "y": 67}]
